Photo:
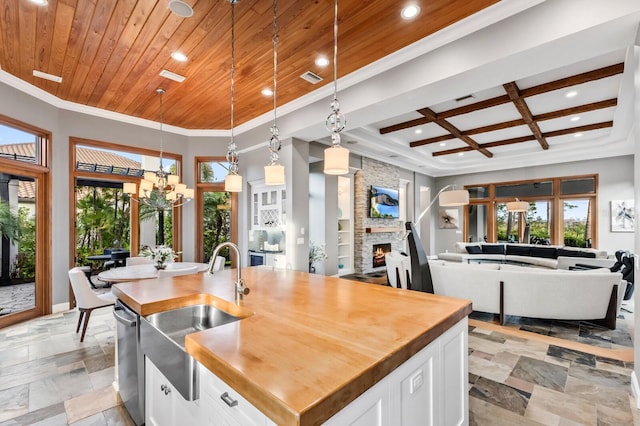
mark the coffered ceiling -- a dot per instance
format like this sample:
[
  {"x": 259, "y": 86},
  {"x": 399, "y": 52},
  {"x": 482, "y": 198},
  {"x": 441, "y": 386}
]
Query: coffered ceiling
[{"x": 467, "y": 86}]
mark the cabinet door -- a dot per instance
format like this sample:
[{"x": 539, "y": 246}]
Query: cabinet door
[
  {"x": 159, "y": 397},
  {"x": 165, "y": 405},
  {"x": 414, "y": 389}
]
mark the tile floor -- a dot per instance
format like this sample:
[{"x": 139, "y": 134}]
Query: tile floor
[{"x": 47, "y": 377}]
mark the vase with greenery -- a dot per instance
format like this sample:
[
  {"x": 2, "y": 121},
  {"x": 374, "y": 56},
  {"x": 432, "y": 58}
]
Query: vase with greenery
[{"x": 316, "y": 253}]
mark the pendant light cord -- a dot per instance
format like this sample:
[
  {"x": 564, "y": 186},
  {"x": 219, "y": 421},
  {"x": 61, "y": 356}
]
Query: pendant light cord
[
  {"x": 335, "y": 51},
  {"x": 232, "y": 153},
  {"x": 161, "y": 92},
  {"x": 275, "y": 59}
]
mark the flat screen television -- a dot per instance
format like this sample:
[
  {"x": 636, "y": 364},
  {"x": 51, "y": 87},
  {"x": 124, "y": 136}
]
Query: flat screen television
[{"x": 384, "y": 203}]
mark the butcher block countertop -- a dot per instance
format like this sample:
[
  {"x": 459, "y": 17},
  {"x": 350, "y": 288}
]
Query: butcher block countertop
[{"x": 307, "y": 344}]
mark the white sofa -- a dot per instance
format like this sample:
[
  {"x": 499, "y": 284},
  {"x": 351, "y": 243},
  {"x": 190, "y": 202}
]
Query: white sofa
[
  {"x": 593, "y": 295},
  {"x": 538, "y": 255}
]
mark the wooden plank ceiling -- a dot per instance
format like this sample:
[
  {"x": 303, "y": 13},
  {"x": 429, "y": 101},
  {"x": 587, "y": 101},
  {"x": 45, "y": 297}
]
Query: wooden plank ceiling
[{"x": 109, "y": 53}]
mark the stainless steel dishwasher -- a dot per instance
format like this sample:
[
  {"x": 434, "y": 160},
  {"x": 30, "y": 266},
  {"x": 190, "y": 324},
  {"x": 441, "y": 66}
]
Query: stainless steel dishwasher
[{"x": 130, "y": 361}]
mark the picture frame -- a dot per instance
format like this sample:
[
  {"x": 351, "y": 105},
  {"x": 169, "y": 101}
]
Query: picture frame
[
  {"x": 623, "y": 216},
  {"x": 448, "y": 219}
]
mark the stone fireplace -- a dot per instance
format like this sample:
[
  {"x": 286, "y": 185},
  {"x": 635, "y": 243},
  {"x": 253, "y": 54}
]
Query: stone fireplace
[{"x": 379, "y": 250}]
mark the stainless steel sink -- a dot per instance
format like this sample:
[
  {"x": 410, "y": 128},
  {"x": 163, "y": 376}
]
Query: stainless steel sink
[
  {"x": 177, "y": 323},
  {"x": 162, "y": 340}
]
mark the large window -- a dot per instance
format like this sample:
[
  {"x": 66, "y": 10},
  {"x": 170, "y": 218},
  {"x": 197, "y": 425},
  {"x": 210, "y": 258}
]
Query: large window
[
  {"x": 560, "y": 211},
  {"x": 107, "y": 218},
  {"x": 216, "y": 210},
  {"x": 25, "y": 233}
]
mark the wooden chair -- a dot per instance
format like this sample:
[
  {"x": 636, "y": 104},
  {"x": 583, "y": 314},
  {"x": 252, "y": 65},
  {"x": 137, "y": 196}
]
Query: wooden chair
[{"x": 86, "y": 299}]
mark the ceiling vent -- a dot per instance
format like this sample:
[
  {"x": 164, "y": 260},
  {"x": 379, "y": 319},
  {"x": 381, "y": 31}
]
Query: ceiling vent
[
  {"x": 311, "y": 77},
  {"x": 172, "y": 76},
  {"x": 464, "y": 98},
  {"x": 46, "y": 76}
]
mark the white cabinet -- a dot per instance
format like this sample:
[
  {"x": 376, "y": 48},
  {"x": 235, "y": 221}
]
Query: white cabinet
[
  {"x": 165, "y": 405},
  {"x": 428, "y": 389},
  {"x": 221, "y": 405},
  {"x": 268, "y": 207}
]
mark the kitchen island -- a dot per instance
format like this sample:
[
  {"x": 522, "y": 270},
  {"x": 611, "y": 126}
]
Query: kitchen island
[{"x": 309, "y": 345}]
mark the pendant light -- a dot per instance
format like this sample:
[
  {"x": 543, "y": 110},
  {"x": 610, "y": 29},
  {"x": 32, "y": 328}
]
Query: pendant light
[
  {"x": 233, "y": 181},
  {"x": 274, "y": 171},
  {"x": 336, "y": 158}
]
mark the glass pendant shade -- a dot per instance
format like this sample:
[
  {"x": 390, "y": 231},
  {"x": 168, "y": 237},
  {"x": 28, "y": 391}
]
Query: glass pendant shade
[
  {"x": 336, "y": 160},
  {"x": 233, "y": 183},
  {"x": 274, "y": 174},
  {"x": 458, "y": 197}
]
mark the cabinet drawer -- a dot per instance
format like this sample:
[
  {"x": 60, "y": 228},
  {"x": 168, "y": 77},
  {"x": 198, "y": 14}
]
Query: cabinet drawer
[{"x": 220, "y": 401}]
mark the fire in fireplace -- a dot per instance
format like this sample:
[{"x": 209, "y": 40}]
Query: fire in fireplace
[{"x": 379, "y": 250}]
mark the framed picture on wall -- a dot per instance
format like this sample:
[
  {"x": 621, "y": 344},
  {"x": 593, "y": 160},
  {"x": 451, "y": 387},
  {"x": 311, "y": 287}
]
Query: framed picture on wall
[
  {"x": 448, "y": 219},
  {"x": 623, "y": 216}
]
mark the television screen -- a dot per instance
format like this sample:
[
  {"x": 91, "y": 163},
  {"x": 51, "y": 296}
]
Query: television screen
[{"x": 384, "y": 203}]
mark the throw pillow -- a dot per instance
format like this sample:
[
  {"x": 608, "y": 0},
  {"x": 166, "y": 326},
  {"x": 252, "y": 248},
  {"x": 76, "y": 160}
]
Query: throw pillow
[
  {"x": 474, "y": 249},
  {"x": 516, "y": 250},
  {"x": 544, "y": 252},
  {"x": 492, "y": 249}
]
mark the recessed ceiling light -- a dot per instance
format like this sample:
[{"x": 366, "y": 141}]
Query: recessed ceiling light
[
  {"x": 322, "y": 61},
  {"x": 393, "y": 156},
  {"x": 443, "y": 144},
  {"x": 418, "y": 131},
  {"x": 575, "y": 118},
  {"x": 47, "y": 76},
  {"x": 179, "y": 56},
  {"x": 180, "y": 8},
  {"x": 352, "y": 142},
  {"x": 577, "y": 135},
  {"x": 410, "y": 12},
  {"x": 267, "y": 92},
  {"x": 40, "y": 2},
  {"x": 571, "y": 94},
  {"x": 460, "y": 154}
]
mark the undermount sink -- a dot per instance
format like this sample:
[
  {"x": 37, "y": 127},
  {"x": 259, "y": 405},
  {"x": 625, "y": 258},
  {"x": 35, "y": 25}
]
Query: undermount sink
[
  {"x": 162, "y": 338},
  {"x": 177, "y": 323}
]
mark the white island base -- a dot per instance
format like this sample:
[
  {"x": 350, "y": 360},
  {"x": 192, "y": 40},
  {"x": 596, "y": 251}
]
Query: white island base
[{"x": 428, "y": 389}]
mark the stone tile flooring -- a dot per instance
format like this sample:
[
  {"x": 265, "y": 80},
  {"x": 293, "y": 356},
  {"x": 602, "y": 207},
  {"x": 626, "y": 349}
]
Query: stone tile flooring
[{"x": 47, "y": 377}]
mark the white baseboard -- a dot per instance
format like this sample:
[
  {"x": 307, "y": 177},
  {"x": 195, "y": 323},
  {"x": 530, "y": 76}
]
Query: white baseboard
[
  {"x": 60, "y": 307},
  {"x": 635, "y": 389}
]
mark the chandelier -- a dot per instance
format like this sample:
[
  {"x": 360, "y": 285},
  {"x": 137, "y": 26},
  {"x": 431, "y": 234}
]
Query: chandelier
[{"x": 160, "y": 189}]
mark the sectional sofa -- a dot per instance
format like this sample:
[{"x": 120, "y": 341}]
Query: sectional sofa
[
  {"x": 546, "y": 256},
  {"x": 504, "y": 289}
]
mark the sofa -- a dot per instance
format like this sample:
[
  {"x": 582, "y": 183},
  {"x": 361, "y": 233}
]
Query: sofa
[
  {"x": 539, "y": 255},
  {"x": 594, "y": 295}
]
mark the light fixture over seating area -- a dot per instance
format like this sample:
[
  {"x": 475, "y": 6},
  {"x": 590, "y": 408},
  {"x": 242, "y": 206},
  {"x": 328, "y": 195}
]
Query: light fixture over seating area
[
  {"x": 160, "y": 189},
  {"x": 518, "y": 206}
]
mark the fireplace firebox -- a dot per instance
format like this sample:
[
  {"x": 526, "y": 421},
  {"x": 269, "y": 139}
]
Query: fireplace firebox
[{"x": 379, "y": 250}]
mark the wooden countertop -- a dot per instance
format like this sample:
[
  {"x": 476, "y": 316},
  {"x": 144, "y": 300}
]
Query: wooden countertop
[{"x": 307, "y": 344}]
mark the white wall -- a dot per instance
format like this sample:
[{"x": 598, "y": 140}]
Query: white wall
[{"x": 616, "y": 182}]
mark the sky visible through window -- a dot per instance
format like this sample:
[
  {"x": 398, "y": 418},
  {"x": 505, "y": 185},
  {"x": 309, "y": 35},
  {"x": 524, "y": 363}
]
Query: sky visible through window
[{"x": 9, "y": 135}]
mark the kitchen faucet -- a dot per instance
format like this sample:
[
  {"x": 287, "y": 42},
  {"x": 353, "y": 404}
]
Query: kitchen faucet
[{"x": 241, "y": 289}]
